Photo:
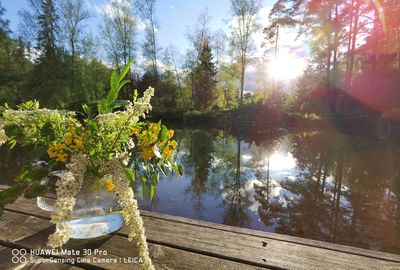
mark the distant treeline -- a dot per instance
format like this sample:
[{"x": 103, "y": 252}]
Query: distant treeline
[{"x": 353, "y": 68}]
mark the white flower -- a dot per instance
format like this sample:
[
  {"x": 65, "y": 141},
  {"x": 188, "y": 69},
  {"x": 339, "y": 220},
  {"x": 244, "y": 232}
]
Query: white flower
[
  {"x": 68, "y": 186},
  {"x": 130, "y": 211},
  {"x": 3, "y": 137}
]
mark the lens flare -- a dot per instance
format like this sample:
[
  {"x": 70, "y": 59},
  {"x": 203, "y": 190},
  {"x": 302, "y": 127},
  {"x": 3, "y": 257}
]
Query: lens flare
[
  {"x": 381, "y": 12},
  {"x": 287, "y": 66}
]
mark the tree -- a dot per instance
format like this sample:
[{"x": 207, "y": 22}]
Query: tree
[
  {"x": 13, "y": 64},
  {"x": 48, "y": 79},
  {"x": 48, "y": 30},
  {"x": 226, "y": 90},
  {"x": 119, "y": 32},
  {"x": 243, "y": 26},
  {"x": 218, "y": 44},
  {"x": 4, "y": 24},
  {"x": 197, "y": 36},
  {"x": 205, "y": 82},
  {"x": 147, "y": 10},
  {"x": 73, "y": 15},
  {"x": 171, "y": 62}
]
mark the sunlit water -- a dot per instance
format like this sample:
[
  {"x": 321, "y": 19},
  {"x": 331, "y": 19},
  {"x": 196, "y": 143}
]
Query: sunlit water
[{"x": 319, "y": 185}]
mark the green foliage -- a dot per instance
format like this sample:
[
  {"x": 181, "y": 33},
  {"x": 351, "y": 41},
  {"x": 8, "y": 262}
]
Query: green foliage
[
  {"x": 117, "y": 82},
  {"x": 142, "y": 148},
  {"x": 204, "y": 79},
  {"x": 32, "y": 174},
  {"x": 35, "y": 190}
]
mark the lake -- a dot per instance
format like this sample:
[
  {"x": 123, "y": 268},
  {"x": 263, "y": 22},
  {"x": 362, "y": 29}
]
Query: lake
[
  {"x": 313, "y": 183},
  {"x": 317, "y": 184}
]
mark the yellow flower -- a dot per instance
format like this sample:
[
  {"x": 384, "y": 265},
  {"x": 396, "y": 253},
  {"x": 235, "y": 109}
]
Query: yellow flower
[
  {"x": 68, "y": 139},
  {"x": 56, "y": 151},
  {"x": 170, "y": 133},
  {"x": 79, "y": 143},
  {"x": 134, "y": 131},
  {"x": 50, "y": 152},
  {"x": 62, "y": 157},
  {"x": 147, "y": 154},
  {"x": 71, "y": 128},
  {"x": 153, "y": 127},
  {"x": 109, "y": 185},
  {"x": 173, "y": 144},
  {"x": 167, "y": 153}
]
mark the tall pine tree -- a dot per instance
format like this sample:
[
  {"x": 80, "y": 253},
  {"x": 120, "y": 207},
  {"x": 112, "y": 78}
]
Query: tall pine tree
[{"x": 205, "y": 78}]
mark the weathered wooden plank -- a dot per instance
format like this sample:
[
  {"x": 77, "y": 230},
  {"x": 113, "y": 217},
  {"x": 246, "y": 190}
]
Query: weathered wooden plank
[
  {"x": 7, "y": 263},
  {"x": 248, "y": 248},
  {"x": 119, "y": 251},
  {"x": 24, "y": 204},
  {"x": 269, "y": 252},
  {"x": 276, "y": 236}
]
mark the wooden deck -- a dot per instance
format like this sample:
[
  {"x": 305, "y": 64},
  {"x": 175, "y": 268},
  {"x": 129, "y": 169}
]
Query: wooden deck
[{"x": 180, "y": 243}]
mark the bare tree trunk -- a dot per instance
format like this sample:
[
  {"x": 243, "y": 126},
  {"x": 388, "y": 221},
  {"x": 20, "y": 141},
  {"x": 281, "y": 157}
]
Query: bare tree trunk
[
  {"x": 351, "y": 52},
  {"x": 179, "y": 82},
  {"x": 242, "y": 71}
]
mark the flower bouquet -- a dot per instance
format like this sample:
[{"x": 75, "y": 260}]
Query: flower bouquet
[{"x": 112, "y": 146}]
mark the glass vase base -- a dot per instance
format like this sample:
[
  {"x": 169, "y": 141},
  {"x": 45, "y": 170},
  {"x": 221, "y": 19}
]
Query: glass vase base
[{"x": 91, "y": 227}]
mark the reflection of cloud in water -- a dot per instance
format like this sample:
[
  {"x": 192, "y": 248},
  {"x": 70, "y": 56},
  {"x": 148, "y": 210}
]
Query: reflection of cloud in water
[
  {"x": 276, "y": 195},
  {"x": 329, "y": 188},
  {"x": 279, "y": 161}
]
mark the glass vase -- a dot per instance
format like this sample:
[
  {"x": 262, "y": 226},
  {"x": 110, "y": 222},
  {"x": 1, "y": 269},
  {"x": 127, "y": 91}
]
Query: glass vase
[{"x": 96, "y": 211}]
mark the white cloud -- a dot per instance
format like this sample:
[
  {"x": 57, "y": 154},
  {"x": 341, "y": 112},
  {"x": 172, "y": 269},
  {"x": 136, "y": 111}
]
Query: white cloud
[
  {"x": 141, "y": 25},
  {"x": 258, "y": 37},
  {"x": 108, "y": 9}
]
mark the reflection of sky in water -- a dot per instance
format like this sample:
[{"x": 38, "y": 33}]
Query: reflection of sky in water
[
  {"x": 271, "y": 191},
  {"x": 174, "y": 197}
]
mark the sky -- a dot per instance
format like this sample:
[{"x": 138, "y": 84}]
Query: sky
[{"x": 175, "y": 17}]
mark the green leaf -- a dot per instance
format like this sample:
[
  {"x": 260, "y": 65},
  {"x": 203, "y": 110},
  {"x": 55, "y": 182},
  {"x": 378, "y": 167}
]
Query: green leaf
[
  {"x": 113, "y": 94},
  {"x": 130, "y": 175},
  {"x": 35, "y": 190},
  {"x": 86, "y": 109},
  {"x": 143, "y": 181},
  {"x": 11, "y": 194},
  {"x": 162, "y": 169},
  {"x": 163, "y": 133},
  {"x": 180, "y": 170},
  {"x": 125, "y": 71},
  {"x": 47, "y": 130},
  {"x": 13, "y": 131},
  {"x": 32, "y": 174},
  {"x": 102, "y": 107},
  {"x": 152, "y": 191},
  {"x": 117, "y": 82},
  {"x": 114, "y": 80},
  {"x": 118, "y": 104}
]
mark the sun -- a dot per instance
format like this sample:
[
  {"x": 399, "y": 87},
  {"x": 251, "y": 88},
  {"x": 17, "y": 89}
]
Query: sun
[{"x": 287, "y": 66}]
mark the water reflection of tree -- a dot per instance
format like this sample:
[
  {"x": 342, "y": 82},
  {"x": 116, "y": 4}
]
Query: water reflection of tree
[
  {"x": 262, "y": 148},
  {"x": 225, "y": 180},
  {"x": 345, "y": 192},
  {"x": 198, "y": 162},
  {"x": 236, "y": 201}
]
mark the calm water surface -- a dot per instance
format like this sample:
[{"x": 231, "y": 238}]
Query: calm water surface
[{"x": 321, "y": 185}]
